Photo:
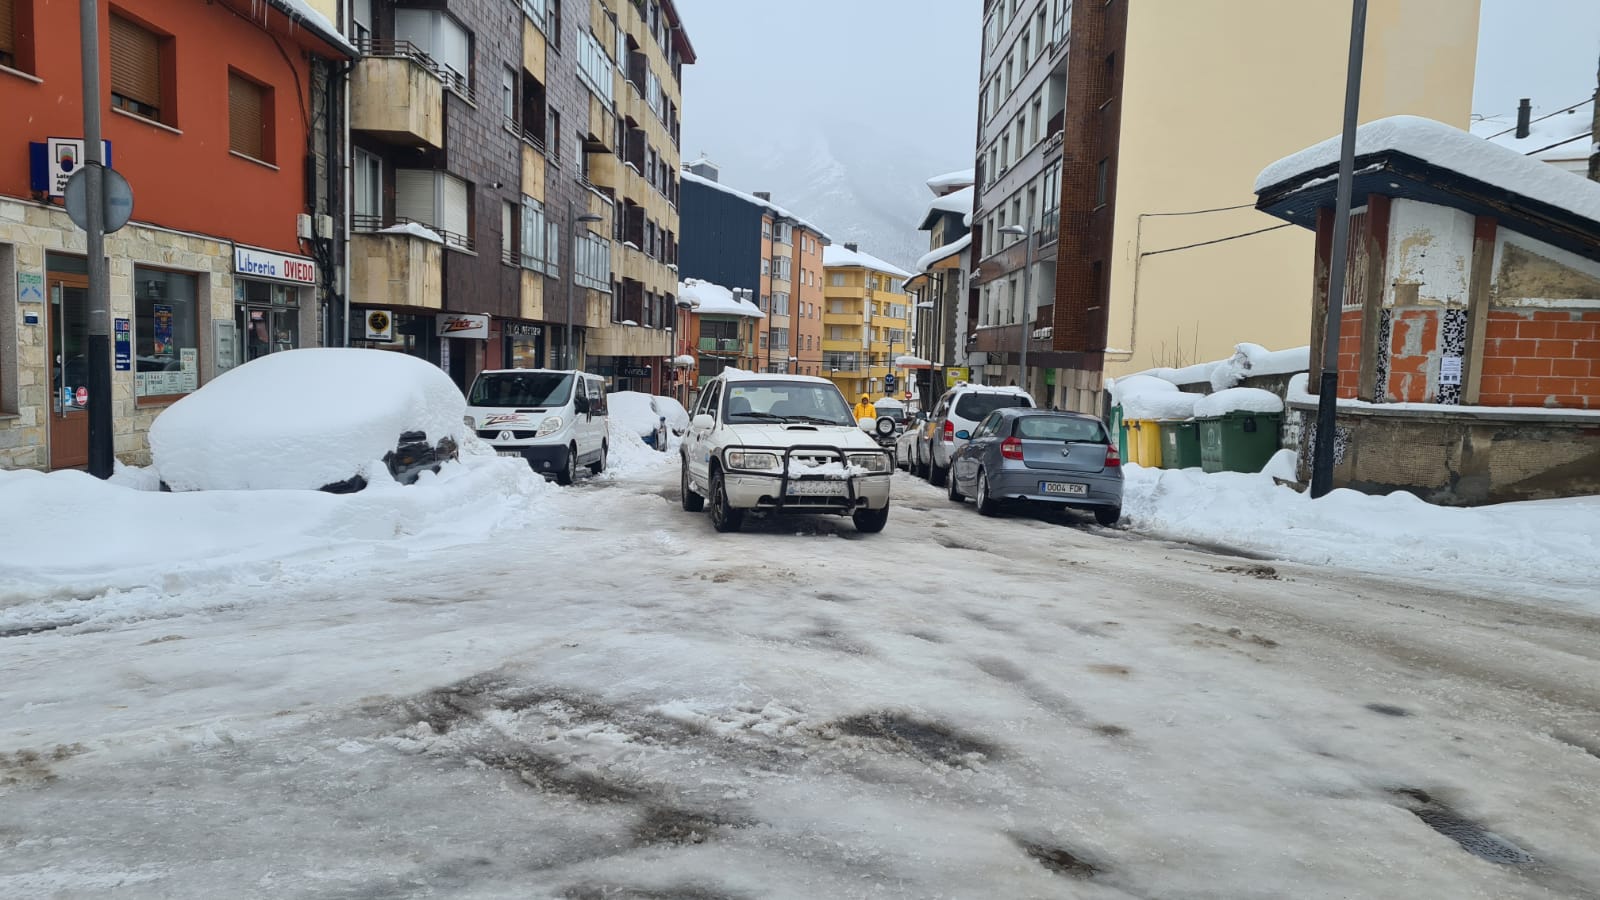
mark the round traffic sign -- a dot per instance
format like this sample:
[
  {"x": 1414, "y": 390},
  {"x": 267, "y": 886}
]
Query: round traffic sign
[{"x": 118, "y": 202}]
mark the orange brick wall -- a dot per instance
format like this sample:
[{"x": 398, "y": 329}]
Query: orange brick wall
[
  {"x": 1349, "y": 353},
  {"x": 1542, "y": 358},
  {"x": 1417, "y": 329}
]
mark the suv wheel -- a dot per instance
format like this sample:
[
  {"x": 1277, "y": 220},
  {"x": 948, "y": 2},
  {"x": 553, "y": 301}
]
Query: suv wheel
[
  {"x": 987, "y": 505},
  {"x": 723, "y": 516},
  {"x": 569, "y": 471},
  {"x": 691, "y": 501},
  {"x": 870, "y": 521}
]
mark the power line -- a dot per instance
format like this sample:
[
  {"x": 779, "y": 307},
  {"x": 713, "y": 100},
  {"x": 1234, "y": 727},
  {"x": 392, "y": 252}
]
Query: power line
[
  {"x": 1543, "y": 117},
  {"x": 1215, "y": 241},
  {"x": 1577, "y": 137},
  {"x": 1197, "y": 212}
]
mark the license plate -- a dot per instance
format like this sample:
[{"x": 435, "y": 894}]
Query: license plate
[
  {"x": 1056, "y": 487},
  {"x": 817, "y": 488},
  {"x": 516, "y": 453}
]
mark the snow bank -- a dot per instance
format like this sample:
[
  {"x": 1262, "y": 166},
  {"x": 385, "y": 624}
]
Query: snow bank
[
  {"x": 1159, "y": 405},
  {"x": 1129, "y": 385},
  {"x": 84, "y": 537},
  {"x": 629, "y": 456},
  {"x": 958, "y": 178},
  {"x": 1239, "y": 399},
  {"x": 1452, "y": 149},
  {"x": 1551, "y": 543},
  {"x": 677, "y": 416},
  {"x": 415, "y": 230},
  {"x": 302, "y": 419}
]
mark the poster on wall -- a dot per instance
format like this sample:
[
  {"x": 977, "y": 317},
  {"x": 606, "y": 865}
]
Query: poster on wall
[
  {"x": 189, "y": 369},
  {"x": 162, "y": 331},
  {"x": 122, "y": 335},
  {"x": 1450, "y": 370}
]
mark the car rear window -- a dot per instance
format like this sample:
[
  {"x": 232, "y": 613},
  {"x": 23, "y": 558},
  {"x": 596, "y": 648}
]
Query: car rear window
[
  {"x": 973, "y": 407},
  {"x": 1060, "y": 428}
]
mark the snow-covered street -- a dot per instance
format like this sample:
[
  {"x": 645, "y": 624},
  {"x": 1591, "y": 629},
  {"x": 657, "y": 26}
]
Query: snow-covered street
[{"x": 607, "y": 699}]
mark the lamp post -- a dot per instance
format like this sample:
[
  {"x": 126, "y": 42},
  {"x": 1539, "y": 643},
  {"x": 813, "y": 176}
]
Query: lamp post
[
  {"x": 1027, "y": 297},
  {"x": 572, "y": 269}
]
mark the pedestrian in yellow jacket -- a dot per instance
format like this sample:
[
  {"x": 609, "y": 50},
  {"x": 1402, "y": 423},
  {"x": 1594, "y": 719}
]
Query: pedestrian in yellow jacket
[{"x": 865, "y": 409}]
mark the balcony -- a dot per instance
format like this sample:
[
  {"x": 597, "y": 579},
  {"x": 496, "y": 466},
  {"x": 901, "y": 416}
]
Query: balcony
[
  {"x": 723, "y": 345},
  {"x": 397, "y": 94},
  {"x": 396, "y": 270},
  {"x": 361, "y": 223}
]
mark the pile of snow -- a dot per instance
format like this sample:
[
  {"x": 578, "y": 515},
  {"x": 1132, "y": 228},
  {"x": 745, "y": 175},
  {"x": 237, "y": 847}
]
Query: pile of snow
[
  {"x": 1129, "y": 385},
  {"x": 1253, "y": 360},
  {"x": 628, "y": 456},
  {"x": 1551, "y": 543},
  {"x": 714, "y": 299},
  {"x": 911, "y": 362},
  {"x": 415, "y": 230},
  {"x": 1447, "y": 148},
  {"x": 641, "y": 413},
  {"x": 956, "y": 202},
  {"x": 303, "y": 419},
  {"x": 1239, "y": 399},
  {"x": 944, "y": 252},
  {"x": 677, "y": 416},
  {"x": 1162, "y": 405},
  {"x": 839, "y": 256},
  {"x": 83, "y": 537},
  {"x": 957, "y": 179},
  {"x": 683, "y": 362}
]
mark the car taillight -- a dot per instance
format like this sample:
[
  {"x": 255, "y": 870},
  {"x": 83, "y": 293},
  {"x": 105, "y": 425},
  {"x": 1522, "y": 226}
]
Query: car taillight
[
  {"x": 949, "y": 431},
  {"x": 1011, "y": 448},
  {"x": 1113, "y": 459}
]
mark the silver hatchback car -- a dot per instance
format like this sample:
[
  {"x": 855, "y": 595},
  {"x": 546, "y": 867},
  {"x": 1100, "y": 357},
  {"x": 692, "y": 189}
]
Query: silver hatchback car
[{"x": 1039, "y": 456}]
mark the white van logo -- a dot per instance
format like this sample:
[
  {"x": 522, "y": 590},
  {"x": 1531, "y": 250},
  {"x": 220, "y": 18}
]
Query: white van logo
[{"x": 506, "y": 436}]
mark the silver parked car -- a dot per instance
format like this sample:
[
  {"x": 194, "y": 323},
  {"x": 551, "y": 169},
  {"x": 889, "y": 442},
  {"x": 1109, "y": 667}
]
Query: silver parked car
[{"x": 1042, "y": 457}]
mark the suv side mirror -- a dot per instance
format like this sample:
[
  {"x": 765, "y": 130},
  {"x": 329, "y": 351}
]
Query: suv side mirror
[
  {"x": 866, "y": 424},
  {"x": 702, "y": 422}
]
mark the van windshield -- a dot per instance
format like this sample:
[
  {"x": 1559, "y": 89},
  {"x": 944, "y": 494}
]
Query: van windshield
[{"x": 521, "y": 389}]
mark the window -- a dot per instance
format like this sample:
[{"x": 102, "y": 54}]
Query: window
[
  {"x": 438, "y": 200},
  {"x": 167, "y": 330},
  {"x": 368, "y": 212},
  {"x": 1035, "y": 118},
  {"x": 1100, "y": 183},
  {"x": 592, "y": 265},
  {"x": 361, "y": 21},
  {"x": 766, "y": 228},
  {"x": 249, "y": 118},
  {"x": 508, "y": 233},
  {"x": 137, "y": 70},
  {"x": 442, "y": 38},
  {"x": 552, "y": 134},
  {"x": 508, "y": 93},
  {"x": 595, "y": 67},
  {"x": 766, "y": 267},
  {"x": 16, "y": 34},
  {"x": 836, "y": 279},
  {"x": 552, "y": 251}
]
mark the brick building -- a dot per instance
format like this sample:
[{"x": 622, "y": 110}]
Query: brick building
[
  {"x": 1469, "y": 331},
  {"x": 226, "y": 119}
]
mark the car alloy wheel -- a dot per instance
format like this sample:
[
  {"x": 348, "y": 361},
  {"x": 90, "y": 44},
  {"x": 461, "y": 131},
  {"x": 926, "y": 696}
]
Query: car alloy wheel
[
  {"x": 951, "y": 490},
  {"x": 987, "y": 505}
]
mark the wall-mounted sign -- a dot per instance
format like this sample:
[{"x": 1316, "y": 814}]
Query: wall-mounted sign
[
  {"x": 122, "y": 338},
  {"x": 633, "y": 371},
  {"x": 30, "y": 287},
  {"x": 1450, "y": 370},
  {"x": 378, "y": 325},
  {"x": 274, "y": 265},
  {"x": 463, "y": 325},
  {"x": 52, "y": 162},
  {"x": 521, "y": 329}
]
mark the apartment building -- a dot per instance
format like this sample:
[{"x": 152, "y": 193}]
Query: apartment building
[
  {"x": 746, "y": 241},
  {"x": 208, "y": 108},
  {"x": 1130, "y": 186},
  {"x": 941, "y": 285},
  {"x": 868, "y": 321}
]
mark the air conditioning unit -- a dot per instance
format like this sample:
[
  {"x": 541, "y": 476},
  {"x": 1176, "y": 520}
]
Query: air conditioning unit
[
  {"x": 302, "y": 227},
  {"x": 325, "y": 227}
]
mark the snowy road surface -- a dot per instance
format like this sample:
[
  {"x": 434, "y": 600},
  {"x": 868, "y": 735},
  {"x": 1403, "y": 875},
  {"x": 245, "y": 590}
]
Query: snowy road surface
[{"x": 617, "y": 702}]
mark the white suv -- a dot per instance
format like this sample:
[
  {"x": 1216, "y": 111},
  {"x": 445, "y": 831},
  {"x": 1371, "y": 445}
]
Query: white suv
[
  {"x": 769, "y": 443},
  {"x": 959, "y": 411}
]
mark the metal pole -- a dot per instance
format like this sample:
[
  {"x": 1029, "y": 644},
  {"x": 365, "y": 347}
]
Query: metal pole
[
  {"x": 572, "y": 229},
  {"x": 1327, "y": 399},
  {"x": 1027, "y": 306},
  {"x": 101, "y": 455}
]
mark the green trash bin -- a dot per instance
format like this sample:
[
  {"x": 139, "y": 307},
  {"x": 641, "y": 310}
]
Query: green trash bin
[
  {"x": 1120, "y": 429},
  {"x": 1238, "y": 441},
  {"x": 1180, "y": 445}
]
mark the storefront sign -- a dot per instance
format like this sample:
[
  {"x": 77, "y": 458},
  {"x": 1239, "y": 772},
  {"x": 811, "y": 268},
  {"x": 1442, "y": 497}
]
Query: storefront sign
[
  {"x": 379, "y": 325},
  {"x": 30, "y": 287},
  {"x": 519, "y": 329},
  {"x": 122, "y": 337},
  {"x": 633, "y": 371},
  {"x": 52, "y": 162},
  {"x": 463, "y": 325},
  {"x": 269, "y": 264},
  {"x": 953, "y": 375}
]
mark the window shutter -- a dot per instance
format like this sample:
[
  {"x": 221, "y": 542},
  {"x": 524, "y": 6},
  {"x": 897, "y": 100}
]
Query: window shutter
[
  {"x": 455, "y": 48},
  {"x": 454, "y": 217},
  {"x": 135, "y": 63},
  {"x": 245, "y": 128},
  {"x": 414, "y": 196},
  {"x": 8, "y": 27}
]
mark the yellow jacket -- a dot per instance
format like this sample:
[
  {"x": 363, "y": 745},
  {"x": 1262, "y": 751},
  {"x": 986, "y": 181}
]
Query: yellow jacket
[{"x": 865, "y": 409}]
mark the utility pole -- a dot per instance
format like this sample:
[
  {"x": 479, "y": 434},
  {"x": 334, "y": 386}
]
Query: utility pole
[
  {"x": 101, "y": 455},
  {"x": 1594, "y": 135},
  {"x": 1327, "y": 399}
]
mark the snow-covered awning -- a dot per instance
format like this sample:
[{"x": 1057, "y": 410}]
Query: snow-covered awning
[
  {"x": 959, "y": 202},
  {"x": 911, "y": 362},
  {"x": 958, "y": 179},
  {"x": 946, "y": 257}
]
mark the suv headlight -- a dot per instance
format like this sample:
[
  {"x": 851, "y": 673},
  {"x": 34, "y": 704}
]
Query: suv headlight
[
  {"x": 753, "y": 461},
  {"x": 550, "y": 425},
  {"x": 871, "y": 462}
]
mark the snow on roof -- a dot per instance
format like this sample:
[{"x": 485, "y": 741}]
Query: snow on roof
[
  {"x": 732, "y": 374},
  {"x": 836, "y": 255},
  {"x": 1239, "y": 399},
  {"x": 715, "y": 300},
  {"x": 415, "y": 230},
  {"x": 955, "y": 201},
  {"x": 692, "y": 178},
  {"x": 300, "y": 12},
  {"x": 911, "y": 362},
  {"x": 1453, "y": 150},
  {"x": 1566, "y": 129},
  {"x": 959, "y": 178},
  {"x": 948, "y": 250}
]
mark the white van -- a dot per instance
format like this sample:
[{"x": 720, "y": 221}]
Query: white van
[{"x": 553, "y": 418}]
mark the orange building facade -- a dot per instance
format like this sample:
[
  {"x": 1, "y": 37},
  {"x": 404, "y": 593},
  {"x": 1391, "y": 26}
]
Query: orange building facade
[{"x": 232, "y": 251}]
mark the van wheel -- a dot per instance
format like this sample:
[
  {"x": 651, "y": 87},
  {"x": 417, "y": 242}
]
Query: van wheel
[
  {"x": 598, "y": 467},
  {"x": 724, "y": 517},
  {"x": 691, "y": 501},
  {"x": 569, "y": 471},
  {"x": 870, "y": 521}
]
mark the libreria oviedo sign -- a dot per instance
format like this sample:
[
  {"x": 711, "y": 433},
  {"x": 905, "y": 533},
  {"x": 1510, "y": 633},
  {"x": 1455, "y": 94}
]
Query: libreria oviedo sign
[{"x": 276, "y": 266}]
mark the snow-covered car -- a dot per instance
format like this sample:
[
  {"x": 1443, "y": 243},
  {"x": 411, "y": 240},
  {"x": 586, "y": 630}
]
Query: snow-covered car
[
  {"x": 553, "y": 418},
  {"x": 1039, "y": 457},
  {"x": 769, "y": 443},
  {"x": 960, "y": 409},
  {"x": 314, "y": 419},
  {"x": 647, "y": 416}
]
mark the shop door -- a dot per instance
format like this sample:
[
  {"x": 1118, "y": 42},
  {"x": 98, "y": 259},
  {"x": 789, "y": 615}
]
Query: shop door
[{"x": 69, "y": 372}]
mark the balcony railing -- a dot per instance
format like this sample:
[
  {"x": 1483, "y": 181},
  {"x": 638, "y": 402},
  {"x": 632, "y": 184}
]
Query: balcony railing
[
  {"x": 733, "y": 345},
  {"x": 370, "y": 223},
  {"x": 453, "y": 80},
  {"x": 527, "y": 137}
]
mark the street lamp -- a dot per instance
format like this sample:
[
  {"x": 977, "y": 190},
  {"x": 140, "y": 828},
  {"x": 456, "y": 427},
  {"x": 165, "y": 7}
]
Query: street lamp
[
  {"x": 572, "y": 274},
  {"x": 1027, "y": 297}
]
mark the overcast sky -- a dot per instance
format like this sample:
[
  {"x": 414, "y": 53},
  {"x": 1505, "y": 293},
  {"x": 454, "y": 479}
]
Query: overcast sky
[{"x": 1546, "y": 50}]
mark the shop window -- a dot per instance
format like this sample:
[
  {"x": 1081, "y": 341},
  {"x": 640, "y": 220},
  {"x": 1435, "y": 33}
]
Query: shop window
[
  {"x": 266, "y": 318},
  {"x": 140, "y": 65},
  {"x": 250, "y": 118},
  {"x": 167, "y": 330}
]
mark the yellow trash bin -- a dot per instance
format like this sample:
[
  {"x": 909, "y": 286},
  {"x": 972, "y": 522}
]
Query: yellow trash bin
[{"x": 1144, "y": 443}]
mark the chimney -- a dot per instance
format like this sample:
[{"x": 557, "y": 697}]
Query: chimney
[
  {"x": 1524, "y": 117},
  {"x": 763, "y": 195},
  {"x": 851, "y": 247}
]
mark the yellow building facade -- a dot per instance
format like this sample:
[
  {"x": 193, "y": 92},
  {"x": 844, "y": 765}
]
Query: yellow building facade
[{"x": 866, "y": 322}]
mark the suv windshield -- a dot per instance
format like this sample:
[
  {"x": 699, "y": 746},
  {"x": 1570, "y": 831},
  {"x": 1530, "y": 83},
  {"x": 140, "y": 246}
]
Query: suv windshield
[
  {"x": 974, "y": 406},
  {"x": 1060, "y": 428},
  {"x": 521, "y": 389},
  {"x": 786, "y": 401}
]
